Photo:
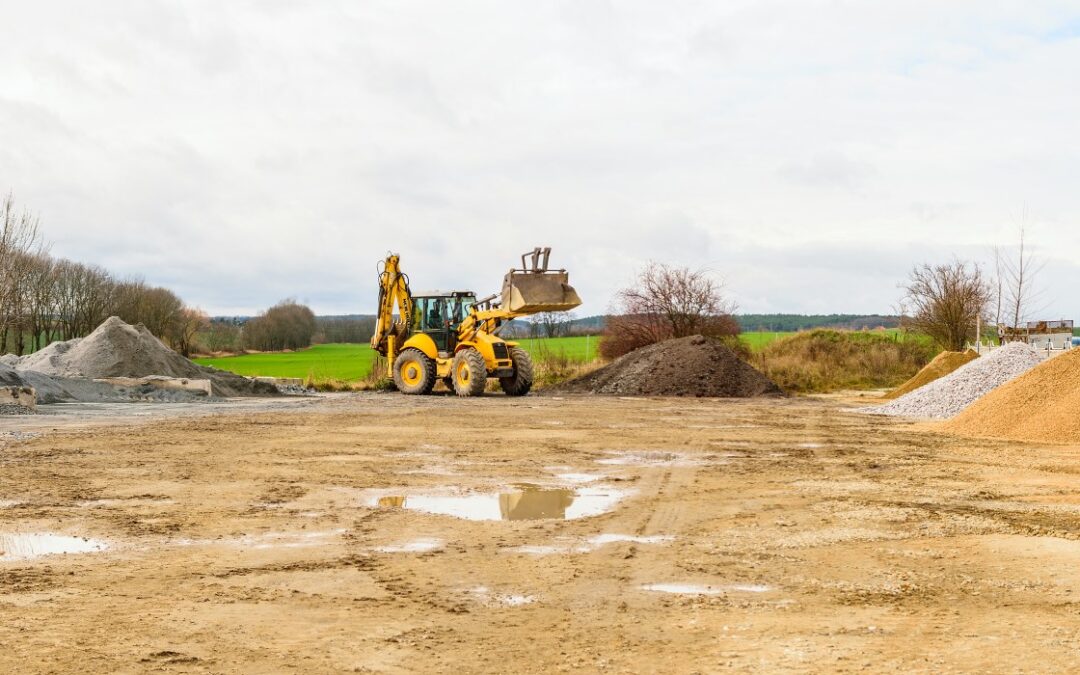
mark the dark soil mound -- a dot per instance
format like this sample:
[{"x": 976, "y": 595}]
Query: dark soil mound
[{"x": 690, "y": 366}]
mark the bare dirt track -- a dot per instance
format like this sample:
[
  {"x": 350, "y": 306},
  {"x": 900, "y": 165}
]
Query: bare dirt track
[{"x": 779, "y": 535}]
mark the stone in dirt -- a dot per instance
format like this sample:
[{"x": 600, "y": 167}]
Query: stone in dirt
[
  {"x": 118, "y": 349},
  {"x": 945, "y": 397},
  {"x": 689, "y": 366}
]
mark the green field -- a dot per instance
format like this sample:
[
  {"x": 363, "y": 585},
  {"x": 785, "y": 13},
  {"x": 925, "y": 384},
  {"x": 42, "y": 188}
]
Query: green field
[
  {"x": 353, "y": 361},
  {"x": 757, "y": 340}
]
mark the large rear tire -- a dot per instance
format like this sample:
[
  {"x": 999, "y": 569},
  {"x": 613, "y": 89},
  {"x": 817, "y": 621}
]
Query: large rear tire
[
  {"x": 470, "y": 373},
  {"x": 521, "y": 381},
  {"x": 414, "y": 372}
]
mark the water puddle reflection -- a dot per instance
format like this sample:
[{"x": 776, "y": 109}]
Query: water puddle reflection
[
  {"x": 35, "y": 545},
  {"x": 523, "y": 502}
]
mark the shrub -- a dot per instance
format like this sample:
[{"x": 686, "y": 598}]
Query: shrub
[
  {"x": 829, "y": 360},
  {"x": 667, "y": 302}
]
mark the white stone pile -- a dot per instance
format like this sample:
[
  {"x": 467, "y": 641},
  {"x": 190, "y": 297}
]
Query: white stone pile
[{"x": 947, "y": 396}]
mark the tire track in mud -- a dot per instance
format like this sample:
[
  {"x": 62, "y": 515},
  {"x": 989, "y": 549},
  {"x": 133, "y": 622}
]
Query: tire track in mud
[{"x": 664, "y": 512}]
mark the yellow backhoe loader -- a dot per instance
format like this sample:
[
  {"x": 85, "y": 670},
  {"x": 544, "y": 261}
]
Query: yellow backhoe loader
[{"x": 455, "y": 337}]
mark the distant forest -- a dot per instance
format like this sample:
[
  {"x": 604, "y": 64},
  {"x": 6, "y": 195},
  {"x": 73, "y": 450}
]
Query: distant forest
[
  {"x": 358, "y": 327},
  {"x": 794, "y": 322}
]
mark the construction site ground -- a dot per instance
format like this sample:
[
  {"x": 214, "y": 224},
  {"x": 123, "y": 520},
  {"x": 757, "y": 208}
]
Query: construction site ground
[{"x": 756, "y": 535}]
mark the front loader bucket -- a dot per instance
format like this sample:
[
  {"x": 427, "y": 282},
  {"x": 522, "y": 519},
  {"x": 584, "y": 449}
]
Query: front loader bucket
[{"x": 529, "y": 292}]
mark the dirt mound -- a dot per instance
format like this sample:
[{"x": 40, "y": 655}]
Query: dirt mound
[
  {"x": 945, "y": 397},
  {"x": 1042, "y": 405},
  {"x": 943, "y": 364},
  {"x": 118, "y": 349},
  {"x": 690, "y": 366}
]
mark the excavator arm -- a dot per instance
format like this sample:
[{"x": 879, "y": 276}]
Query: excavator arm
[{"x": 393, "y": 294}]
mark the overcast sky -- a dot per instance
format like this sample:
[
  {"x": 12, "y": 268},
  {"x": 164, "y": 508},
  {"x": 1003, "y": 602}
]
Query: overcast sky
[{"x": 808, "y": 152}]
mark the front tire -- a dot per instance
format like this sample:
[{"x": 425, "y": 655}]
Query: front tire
[
  {"x": 521, "y": 381},
  {"x": 414, "y": 372},
  {"x": 470, "y": 373}
]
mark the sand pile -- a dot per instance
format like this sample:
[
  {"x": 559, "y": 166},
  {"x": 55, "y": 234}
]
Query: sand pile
[
  {"x": 943, "y": 364},
  {"x": 690, "y": 366},
  {"x": 118, "y": 349},
  {"x": 947, "y": 396},
  {"x": 1042, "y": 405}
]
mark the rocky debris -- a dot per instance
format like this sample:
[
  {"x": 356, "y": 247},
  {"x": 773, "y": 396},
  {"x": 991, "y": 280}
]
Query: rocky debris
[
  {"x": 690, "y": 366},
  {"x": 1042, "y": 405},
  {"x": 118, "y": 349},
  {"x": 15, "y": 409},
  {"x": 943, "y": 364},
  {"x": 947, "y": 396}
]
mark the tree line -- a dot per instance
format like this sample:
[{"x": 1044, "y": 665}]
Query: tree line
[{"x": 44, "y": 298}]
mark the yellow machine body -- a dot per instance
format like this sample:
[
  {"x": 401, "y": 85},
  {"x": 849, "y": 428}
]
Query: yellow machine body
[{"x": 426, "y": 341}]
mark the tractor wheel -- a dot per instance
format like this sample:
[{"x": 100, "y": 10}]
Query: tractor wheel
[
  {"x": 470, "y": 373},
  {"x": 414, "y": 372},
  {"x": 521, "y": 381}
]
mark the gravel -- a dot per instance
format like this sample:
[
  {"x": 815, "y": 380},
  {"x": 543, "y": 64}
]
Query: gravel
[
  {"x": 13, "y": 409},
  {"x": 945, "y": 397},
  {"x": 118, "y": 349}
]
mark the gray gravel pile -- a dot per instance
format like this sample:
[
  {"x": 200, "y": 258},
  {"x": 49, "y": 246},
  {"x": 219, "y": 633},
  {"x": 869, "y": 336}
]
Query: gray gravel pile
[
  {"x": 947, "y": 396},
  {"x": 118, "y": 349}
]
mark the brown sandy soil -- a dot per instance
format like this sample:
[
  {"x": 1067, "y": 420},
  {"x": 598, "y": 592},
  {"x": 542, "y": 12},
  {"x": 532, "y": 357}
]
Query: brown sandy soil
[{"x": 247, "y": 542}]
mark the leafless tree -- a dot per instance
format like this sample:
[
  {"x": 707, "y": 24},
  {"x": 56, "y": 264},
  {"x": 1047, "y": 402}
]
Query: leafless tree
[
  {"x": 20, "y": 243},
  {"x": 186, "y": 326},
  {"x": 552, "y": 324},
  {"x": 286, "y": 325},
  {"x": 946, "y": 301},
  {"x": 665, "y": 302},
  {"x": 1018, "y": 272}
]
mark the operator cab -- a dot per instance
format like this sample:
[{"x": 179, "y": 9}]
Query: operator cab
[{"x": 438, "y": 314}]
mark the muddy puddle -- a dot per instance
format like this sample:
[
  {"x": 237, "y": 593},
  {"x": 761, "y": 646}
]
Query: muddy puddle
[
  {"x": 269, "y": 540},
  {"x": 125, "y": 501},
  {"x": 414, "y": 546},
  {"x": 588, "y": 545},
  {"x": 704, "y": 589},
  {"x": 487, "y": 596},
  {"x": 27, "y": 546},
  {"x": 521, "y": 502},
  {"x": 659, "y": 458}
]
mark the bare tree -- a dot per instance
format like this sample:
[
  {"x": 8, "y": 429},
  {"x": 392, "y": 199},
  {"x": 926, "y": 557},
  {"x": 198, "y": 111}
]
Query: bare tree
[
  {"x": 946, "y": 302},
  {"x": 1017, "y": 281},
  {"x": 552, "y": 324},
  {"x": 286, "y": 325},
  {"x": 188, "y": 323},
  {"x": 668, "y": 302},
  {"x": 20, "y": 243}
]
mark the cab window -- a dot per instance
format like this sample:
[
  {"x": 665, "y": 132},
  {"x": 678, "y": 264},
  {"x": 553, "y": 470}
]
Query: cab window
[{"x": 435, "y": 314}]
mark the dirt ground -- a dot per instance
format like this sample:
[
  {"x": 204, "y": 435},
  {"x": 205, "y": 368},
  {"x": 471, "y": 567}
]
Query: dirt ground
[{"x": 773, "y": 535}]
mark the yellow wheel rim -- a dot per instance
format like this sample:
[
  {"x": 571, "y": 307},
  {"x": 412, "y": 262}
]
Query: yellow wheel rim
[
  {"x": 463, "y": 373},
  {"x": 411, "y": 373}
]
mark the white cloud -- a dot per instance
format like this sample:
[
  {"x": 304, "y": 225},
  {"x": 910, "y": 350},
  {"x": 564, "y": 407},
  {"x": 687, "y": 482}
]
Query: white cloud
[{"x": 811, "y": 151}]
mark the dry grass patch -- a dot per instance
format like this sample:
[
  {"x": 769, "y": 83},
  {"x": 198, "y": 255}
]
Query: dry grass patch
[{"x": 829, "y": 360}]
